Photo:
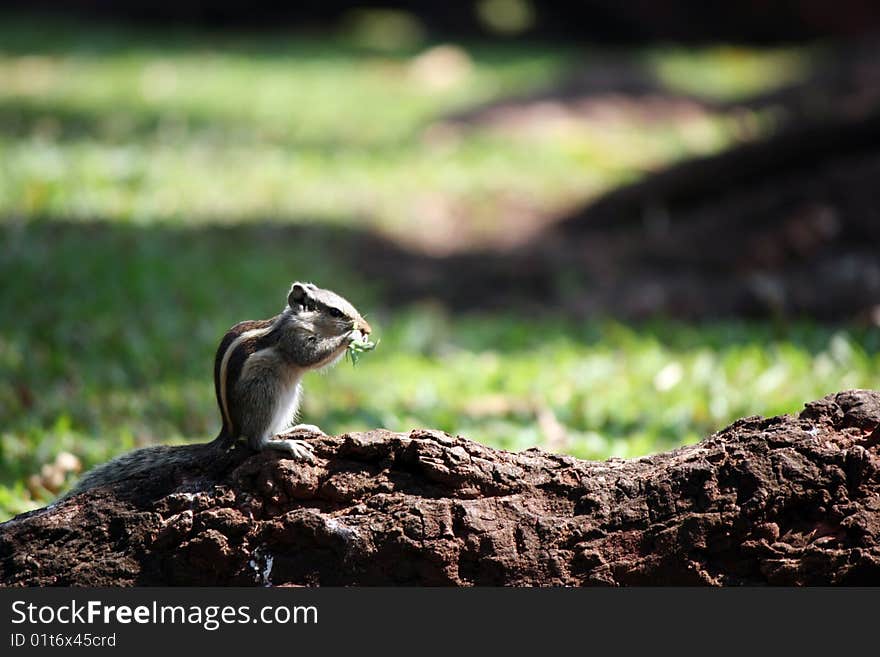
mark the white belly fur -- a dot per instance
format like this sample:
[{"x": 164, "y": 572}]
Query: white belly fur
[
  {"x": 269, "y": 366},
  {"x": 287, "y": 408}
]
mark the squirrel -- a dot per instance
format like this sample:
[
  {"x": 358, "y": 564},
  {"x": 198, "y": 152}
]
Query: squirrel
[{"x": 258, "y": 373}]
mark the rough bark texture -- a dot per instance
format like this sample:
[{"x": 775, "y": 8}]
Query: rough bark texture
[{"x": 785, "y": 500}]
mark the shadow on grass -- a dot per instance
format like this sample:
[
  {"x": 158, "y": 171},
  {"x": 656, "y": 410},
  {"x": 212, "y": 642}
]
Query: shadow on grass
[
  {"x": 29, "y": 33},
  {"x": 68, "y": 280}
]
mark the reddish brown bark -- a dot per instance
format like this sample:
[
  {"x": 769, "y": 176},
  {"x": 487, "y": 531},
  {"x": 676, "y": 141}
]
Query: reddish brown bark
[{"x": 785, "y": 500}]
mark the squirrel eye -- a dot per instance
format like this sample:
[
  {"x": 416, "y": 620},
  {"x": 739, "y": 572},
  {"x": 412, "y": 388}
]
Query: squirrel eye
[{"x": 335, "y": 312}]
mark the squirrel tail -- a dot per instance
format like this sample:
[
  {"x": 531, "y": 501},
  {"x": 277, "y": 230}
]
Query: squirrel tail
[
  {"x": 223, "y": 440},
  {"x": 146, "y": 460}
]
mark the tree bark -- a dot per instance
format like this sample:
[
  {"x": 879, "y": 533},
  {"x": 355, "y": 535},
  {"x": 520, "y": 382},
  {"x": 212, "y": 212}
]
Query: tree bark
[{"x": 787, "y": 500}]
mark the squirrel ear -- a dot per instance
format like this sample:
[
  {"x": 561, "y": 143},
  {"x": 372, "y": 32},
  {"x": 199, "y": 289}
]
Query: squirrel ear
[{"x": 297, "y": 295}]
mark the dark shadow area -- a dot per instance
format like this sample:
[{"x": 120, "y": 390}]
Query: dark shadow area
[
  {"x": 808, "y": 253},
  {"x": 842, "y": 81},
  {"x": 599, "y": 20},
  {"x": 784, "y": 227},
  {"x": 63, "y": 33}
]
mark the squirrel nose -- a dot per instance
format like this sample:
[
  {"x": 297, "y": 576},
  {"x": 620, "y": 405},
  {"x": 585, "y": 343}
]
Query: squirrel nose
[{"x": 361, "y": 324}]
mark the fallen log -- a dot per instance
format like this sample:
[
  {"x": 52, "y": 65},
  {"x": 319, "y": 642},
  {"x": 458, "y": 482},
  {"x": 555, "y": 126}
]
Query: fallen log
[{"x": 787, "y": 500}]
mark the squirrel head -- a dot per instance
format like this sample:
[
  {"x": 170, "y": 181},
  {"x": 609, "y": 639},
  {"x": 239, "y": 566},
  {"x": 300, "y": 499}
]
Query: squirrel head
[{"x": 324, "y": 313}]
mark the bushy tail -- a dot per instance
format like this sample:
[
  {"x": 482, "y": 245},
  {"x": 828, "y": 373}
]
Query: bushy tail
[{"x": 146, "y": 462}]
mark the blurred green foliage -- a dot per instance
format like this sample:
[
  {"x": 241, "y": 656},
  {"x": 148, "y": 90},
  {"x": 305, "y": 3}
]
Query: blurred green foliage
[
  {"x": 153, "y": 191},
  {"x": 147, "y": 126}
]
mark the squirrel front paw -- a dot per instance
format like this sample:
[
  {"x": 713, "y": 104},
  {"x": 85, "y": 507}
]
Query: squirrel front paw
[{"x": 297, "y": 449}]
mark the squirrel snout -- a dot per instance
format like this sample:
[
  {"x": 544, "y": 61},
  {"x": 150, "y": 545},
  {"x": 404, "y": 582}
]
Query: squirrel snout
[{"x": 363, "y": 326}]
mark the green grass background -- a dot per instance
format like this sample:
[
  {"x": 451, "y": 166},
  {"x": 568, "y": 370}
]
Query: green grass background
[{"x": 155, "y": 187}]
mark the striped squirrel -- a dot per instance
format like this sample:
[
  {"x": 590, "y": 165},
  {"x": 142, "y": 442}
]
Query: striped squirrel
[{"x": 258, "y": 374}]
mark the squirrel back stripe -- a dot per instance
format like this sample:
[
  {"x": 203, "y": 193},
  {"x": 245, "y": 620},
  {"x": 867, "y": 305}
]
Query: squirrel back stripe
[{"x": 230, "y": 345}]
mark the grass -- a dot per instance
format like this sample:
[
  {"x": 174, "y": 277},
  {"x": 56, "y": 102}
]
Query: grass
[
  {"x": 157, "y": 187},
  {"x": 144, "y": 126}
]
